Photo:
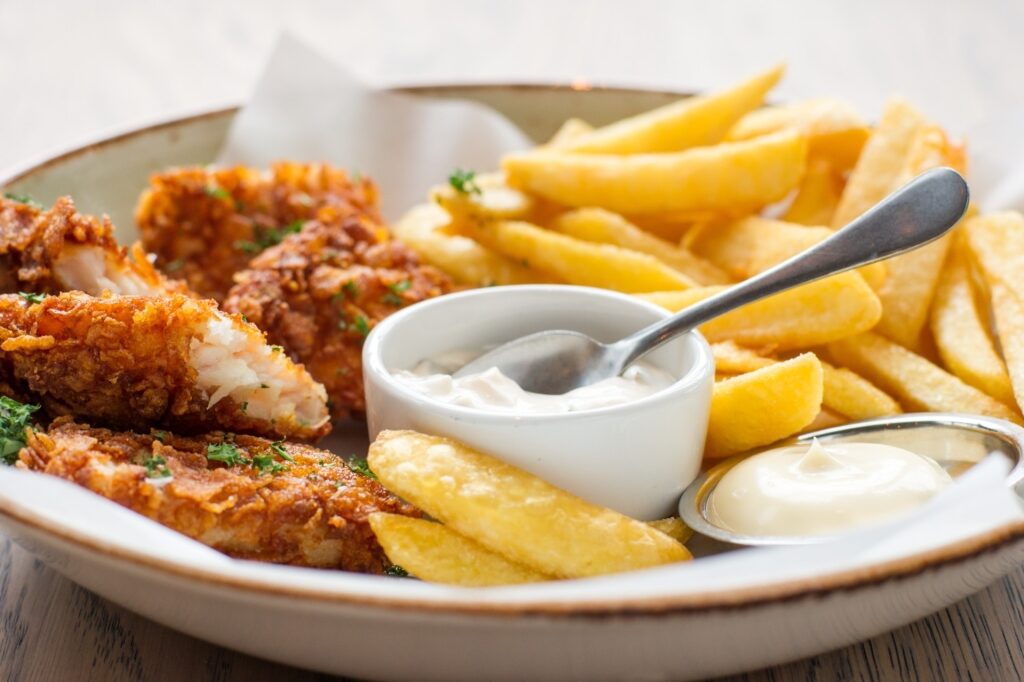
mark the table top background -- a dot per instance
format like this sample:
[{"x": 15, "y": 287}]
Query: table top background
[{"x": 76, "y": 71}]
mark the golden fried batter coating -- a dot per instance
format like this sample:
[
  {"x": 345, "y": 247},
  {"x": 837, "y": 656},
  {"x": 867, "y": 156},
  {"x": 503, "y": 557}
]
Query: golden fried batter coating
[
  {"x": 206, "y": 224},
  {"x": 320, "y": 292},
  {"x": 60, "y": 249},
  {"x": 134, "y": 362},
  {"x": 305, "y": 507}
]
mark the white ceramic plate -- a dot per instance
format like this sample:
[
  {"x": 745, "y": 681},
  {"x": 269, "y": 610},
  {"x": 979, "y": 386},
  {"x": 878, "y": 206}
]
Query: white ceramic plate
[{"x": 667, "y": 623}]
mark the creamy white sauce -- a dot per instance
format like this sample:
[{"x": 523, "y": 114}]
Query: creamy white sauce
[
  {"x": 821, "y": 490},
  {"x": 492, "y": 391}
]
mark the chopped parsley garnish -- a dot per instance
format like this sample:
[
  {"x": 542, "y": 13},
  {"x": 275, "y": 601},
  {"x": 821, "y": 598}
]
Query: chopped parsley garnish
[
  {"x": 361, "y": 467},
  {"x": 265, "y": 464},
  {"x": 396, "y": 571},
  {"x": 264, "y": 385},
  {"x": 393, "y": 297},
  {"x": 362, "y": 325},
  {"x": 228, "y": 453},
  {"x": 341, "y": 371},
  {"x": 217, "y": 192},
  {"x": 22, "y": 199},
  {"x": 351, "y": 288},
  {"x": 464, "y": 181},
  {"x": 269, "y": 237},
  {"x": 244, "y": 407},
  {"x": 160, "y": 436},
  {"x": 277, "y": 447},
  {"x": 277, "y": 349},
  {"x": 245, "y": 319},
  {"x": 32, "y": 298},
  {"x": 156, "y": 467},
  {"x": 15, "y": 417},
  {"x": 174, "y": 265}
]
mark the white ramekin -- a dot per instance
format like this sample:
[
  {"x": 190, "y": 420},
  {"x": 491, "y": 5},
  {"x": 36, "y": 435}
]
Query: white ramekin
[{"x": 636, "y": 458}]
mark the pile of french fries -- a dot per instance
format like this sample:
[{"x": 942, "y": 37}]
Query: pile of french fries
[{"x": 676, "y": 203}]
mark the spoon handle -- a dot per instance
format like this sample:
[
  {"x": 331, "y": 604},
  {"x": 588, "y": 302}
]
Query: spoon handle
[{"x": 919, "y": 212}]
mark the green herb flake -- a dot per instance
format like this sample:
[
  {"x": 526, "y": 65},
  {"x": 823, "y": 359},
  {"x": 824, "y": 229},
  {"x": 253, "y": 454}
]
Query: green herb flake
[
  {"x": 216, "y": 192},
  {"x": 245, "y": 319},
  {"x": 160, "y": 436},
  {"x": 32, "y": 298},
  {"x": 464, "y": 181},
  {"x": 156, "y": 467},
  {"x": 265, "y": 464},
  {"x": 226, "y": 453},
  {"x": 247, "y": 246},
  {"x": 22, "y": 199},
  {"x": 277, "y": 447},
  {"x": 174, "y": 265},
  {"x": 244, "y": 407},
  {"x": 362, "y": 325},
  {"x": 361, "y": 467},
  {"x": 277, "y": 349},
  {"x": 15, "y": 417},
  {"x": 396, "y": 571},
  {"x": 351, "y": 288},
  {"x": 395, "y": 291}
]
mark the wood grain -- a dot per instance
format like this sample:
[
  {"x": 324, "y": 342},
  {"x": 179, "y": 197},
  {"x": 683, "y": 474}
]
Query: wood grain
[{"x": 78, "y": 70}]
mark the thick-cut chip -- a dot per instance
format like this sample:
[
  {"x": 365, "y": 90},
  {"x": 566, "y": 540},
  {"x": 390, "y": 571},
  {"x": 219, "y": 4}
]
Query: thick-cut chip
[
  {"x": 461, "y": 258},
  {"x": 692, "y": 122},
  {"x": 134, "y": 362},
  {"x": 961, "y": 332},
  {"x": 809, "y": 315},
  {"x": 729, "y": 176},
  {"x": 1008, "y": 311},
  {"x": 836, "y": 132},
  {"x": 733, "y": 359},
  {"x": 60, "y": 249},
  {"x": 673, "y": 527},
  {"x": 573, "y": 260},
  {"x": 914, "y": 381},
  {"x": 248, "y": 497},
  {"x": 432, "y": 552},
  {"x": 604, "y": 227},
  {"x": 764, "y": 406},
  {"x": 570, "y": 130},
  {"x": 817, "y": 197},
  {"x": 909, "y": 286},
  {"x": 997, "y": 242},
  {"x": 881, "y": 162},
  {"x": 510, "y": 511},
  {"x": 854, "y": 396},
  {"x": 751, "y": 245}
]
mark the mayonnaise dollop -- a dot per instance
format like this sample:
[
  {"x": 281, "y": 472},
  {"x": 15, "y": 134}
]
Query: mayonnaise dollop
[
  {"x": 492, "y": 391},
  {"x": 822, "y": 490}
]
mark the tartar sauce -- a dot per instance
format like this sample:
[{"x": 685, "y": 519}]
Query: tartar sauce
[
  {"x": 492, "y": 391},
  {"x": 822, "y": 490}
]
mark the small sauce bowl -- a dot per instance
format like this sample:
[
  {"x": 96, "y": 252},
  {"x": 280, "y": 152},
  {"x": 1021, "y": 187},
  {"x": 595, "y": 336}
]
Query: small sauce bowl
[
  {"x": 636, "y": 458},
  {"x": 956, "y": 441}
]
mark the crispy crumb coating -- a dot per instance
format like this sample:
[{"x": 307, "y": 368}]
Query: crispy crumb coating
[
  {"x": 311, "y": 512},
  {"x": 60, "y": 249},
  {"x": 206, "y": 224},
  {"x": 321, "y": 291},
  {"x": 134, "y": 362}
]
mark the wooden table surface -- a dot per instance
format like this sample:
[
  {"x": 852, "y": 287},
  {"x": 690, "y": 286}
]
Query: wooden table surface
[{"x": 75, "y": 71}]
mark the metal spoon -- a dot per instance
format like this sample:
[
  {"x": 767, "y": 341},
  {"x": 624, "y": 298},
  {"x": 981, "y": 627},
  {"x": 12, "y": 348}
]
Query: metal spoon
[{"x": 557, "y": 361}]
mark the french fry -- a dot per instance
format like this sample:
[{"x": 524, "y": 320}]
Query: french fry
[
  {"x": 961, "y": 333},
  {"x": 817, "y": 196},
  {"x": 569, "y": 131},
  {"x": 853, "y": 396},
  {"x": 604, "y": 227},
  {"x": 1009, "y": 314},
  {"x": 491, "y": 201},
  {"x": 673, "y": 527},
  {"x": 432, "y": 552},
  {"x": 691, "y": 122},
  {"x": 733, "y": 359},
  {"x": 751, "y": 245},
  {"x": 809, "y": 315},
  {"x": 909, "y": 286},
  {"x": 573, "y": 260},
  {"x": 510, "y": 511},
  {"x": 462, "y": 259},
  {"x": 727, "y": 176},
  {"x": 881, "y": 162},
  {"x": 764, "y": 406},
  {"x": 914, "y": 381},
  {"x": 835, "y": 131}
]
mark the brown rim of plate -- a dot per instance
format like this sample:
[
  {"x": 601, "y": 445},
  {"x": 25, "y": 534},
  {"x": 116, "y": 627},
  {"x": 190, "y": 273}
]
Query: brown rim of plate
[{"x": 747, "y": 598}]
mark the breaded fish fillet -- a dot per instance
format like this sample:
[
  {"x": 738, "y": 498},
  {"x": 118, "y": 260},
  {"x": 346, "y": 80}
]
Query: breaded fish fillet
[
  {"x": 320, "y": 291},
  {"x": 60, "y": 249},
  {"x": 134, "y": 362},
  {"x": 245, "y": 496},
  {"x": 206, "y": 224}
]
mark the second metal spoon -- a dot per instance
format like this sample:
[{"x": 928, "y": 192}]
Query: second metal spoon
[{"x": 557, "y": 361}]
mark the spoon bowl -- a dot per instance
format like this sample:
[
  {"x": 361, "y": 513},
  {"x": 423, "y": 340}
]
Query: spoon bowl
[{"x": 557, "y": 361}]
